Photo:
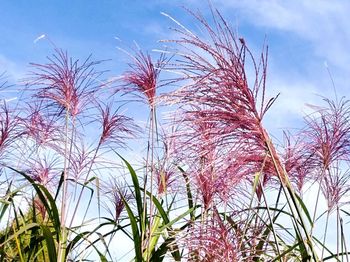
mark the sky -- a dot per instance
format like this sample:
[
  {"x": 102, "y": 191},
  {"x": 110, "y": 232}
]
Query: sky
[{"x": 308, "y": 40}]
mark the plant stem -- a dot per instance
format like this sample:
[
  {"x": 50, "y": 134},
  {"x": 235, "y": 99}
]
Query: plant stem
[
  {"x": 343, "y": 239},
  {"x": 283, "y": 177},
  {"x": 153, "y": 127},
  {"x": 325, "y": 234},
  {"x": 317, "y": 200},
  {"x": 272, "y": 223},
  {"x": 85, "y": 180},
  {"x": 62, "y": 242}
]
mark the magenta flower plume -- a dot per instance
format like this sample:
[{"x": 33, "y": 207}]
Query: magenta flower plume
[
  {"x": 217, "y": 92},
  {"x": 81, "y": 160},
  {"x": 211, "y": 241},
  {"x": 142, "y": 78},
  {"x": 115, "y": 127},
  {"x": 43, "y": 170},
  {"x": 298, "y": 162},
  {"x": 9, "y": 128},
  {"x": 65, "y": 84},
  {"x": 335, "y": 187},
  {"x": 166, "y": 169},
  {"x": 215, "y": 171},
  {"x": 328, "y": 133},
  {"x": 40, "y": 128},
  {"x": 165, "y": 178},
  {"x": 115, "y": 193}
]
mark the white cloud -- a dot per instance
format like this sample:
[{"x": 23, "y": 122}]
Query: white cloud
[{"x": 323, "y": 23}]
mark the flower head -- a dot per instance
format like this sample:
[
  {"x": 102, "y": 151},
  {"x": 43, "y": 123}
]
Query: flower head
[
  {"x": 218, "y": 95},
  {"x": 210, "y": 241},
  {"x": 115, "y": 127},
  {"x": 142, "y": 78},
  {"x": 9, "y": 131},
  {"x": 328, "y": 133},
  {"x": 335, "y": 187},
  {"x": 116, "y": 194},
  {"x": 65, "y": 84},
  {"x": 40, "y": 127},
  {"x": 298, "y": 161},
  {"x": 43, "y": 169}
]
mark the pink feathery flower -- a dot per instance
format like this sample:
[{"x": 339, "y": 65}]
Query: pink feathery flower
[
  {"x": 215, "y": 170},
  {"x": 9, "y": 131},
  {"x": 211, "y": 241},
  {"x": 217, "y": 93},
  {"x": 115, "y": 193},
  {"x": 166, "y": 168},
  {"x": 165, "y": 177},
  {"x": 115, "y": 127},
  {"x": 142, "y": 78},
  {"x": 298, "y": 162},
  {"x": 39, "y": 127},
  {"x": 80, "y": 161},
  {"x": 328, "y": 133},
  {"x": 43, "y": 170},
  {"x": 65, "y": 84},
  {"x": 335, "y": 187}
]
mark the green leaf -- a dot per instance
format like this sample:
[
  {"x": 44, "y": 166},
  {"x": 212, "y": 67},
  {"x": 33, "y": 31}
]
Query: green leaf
[
  {"x": 304, "y": 209},
  {"x": 59, "y": 185},
  {"x": 46, "y": 199},
  {"x": 188, "y": 191},
  {"x": 172, "y": 222},
  {"x": 175, "y": 250},
  {"x": 137, "y": 191},
  {"x": 75, "y": 240},
  {"x": 135, "y": 231},
  {"x": 50, "y": 242},
  {"x": 21, "y": 230},
  {"x": 284, "y": 253}
]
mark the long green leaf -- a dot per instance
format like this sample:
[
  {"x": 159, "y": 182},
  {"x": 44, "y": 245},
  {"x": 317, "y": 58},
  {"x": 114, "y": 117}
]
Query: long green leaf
[
  {"x": 284, "y": 253},
  {"x": 50, "y": 243},
  {"x": 45, "y": 195},
  {"x": 304, "y": 209},
  {"x": 188, "y": 191},
  {"x": 178, "y": 218},
  {"x": 75, "y": 240},
  {"x": 136, "y": 189},
  {"x": 21, "y": 230},
  {"x": 135, "y": 231}
]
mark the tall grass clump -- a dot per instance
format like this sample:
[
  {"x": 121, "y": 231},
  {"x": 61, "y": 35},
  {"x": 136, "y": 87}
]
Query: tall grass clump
[{"x": 212, "y": 185}]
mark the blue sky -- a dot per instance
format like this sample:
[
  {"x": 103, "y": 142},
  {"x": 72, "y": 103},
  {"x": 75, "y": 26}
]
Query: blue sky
[{"x": 302, "y": 37}]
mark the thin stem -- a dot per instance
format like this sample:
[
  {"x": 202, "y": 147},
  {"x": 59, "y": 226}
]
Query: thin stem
[
  {"x": 256, "y": 183},
  {"x": 272, "y": 223},
  {"x": 62, "y": 242},
  {"x": 82, "y": 190},
  {"x": 337, "y": 233},
  {"x": 153, "y": 126},
  {"x": 325, "y": 234},
  {"x": 286, "y": 185},
  {"x": 317, "y": 199},
  {"x": 343, "y": 239},
  {"x": 144, "y": 211}
]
